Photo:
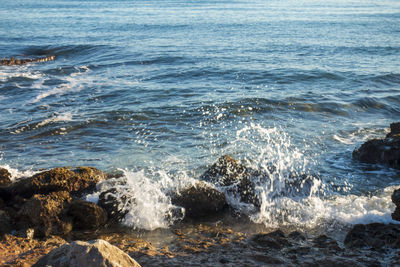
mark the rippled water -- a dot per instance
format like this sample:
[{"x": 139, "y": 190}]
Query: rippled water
[{"x": 161, "y": 89}]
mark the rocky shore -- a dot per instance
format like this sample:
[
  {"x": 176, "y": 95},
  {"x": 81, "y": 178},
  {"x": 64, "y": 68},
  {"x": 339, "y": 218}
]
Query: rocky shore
[{"x": 45, "y": 221}]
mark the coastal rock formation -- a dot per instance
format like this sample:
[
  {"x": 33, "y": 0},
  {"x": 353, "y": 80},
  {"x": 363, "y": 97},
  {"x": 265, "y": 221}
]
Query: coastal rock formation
[
  {"x": 228, "y": 172},
  {"x": 86, "y": 215},
  {"x": 200, "y": 200},
  {"x": 43, "y": 212},
  {"x": 375, "y": 235},
  {"x": 382, "y": 151},
  {"x": 79, "y": 180},
  {"x": 5, "y": 177},
  {"x": 90, "y": 254},
  {"x": 21, "y": 61}
]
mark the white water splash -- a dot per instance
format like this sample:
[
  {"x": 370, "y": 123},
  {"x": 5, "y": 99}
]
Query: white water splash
[
  {"x": 148, "y": 206},
  {"x": 17, "y": 174}
]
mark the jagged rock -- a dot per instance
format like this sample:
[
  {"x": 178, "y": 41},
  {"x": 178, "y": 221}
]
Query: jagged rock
[
  {"x": 77, "y": 180},
  {"x": 86, "y": 215},
  {"x": 229, "y": 172},
  {"x": 200, "y": 200},
  {"x": 114, "y": 204},
  {"x": 43, "y": 213},
  {"x": 5, "y": 177},
  {"x": 381, "y": 151},
  {"x": 89, "y": 254},
  {"x": 16, "y": 61},
  {"x": 375, "y": 235}
]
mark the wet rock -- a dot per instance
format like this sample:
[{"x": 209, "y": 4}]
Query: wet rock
[
  {"x": 394, "y": 130},
  {"x": 86, "y": 215},
  {"x": 94, "y": 253},
  {"x": 43, "y": 213},
  {"x": 297, "y": 236},
  {"x": 375, "y": 235},
  {"x": 113, "y": 204},
  {"x": 228, "y": 172},
  {"x": 79, "y": 180},
  {"x": 274, "y": 240},
  {"x": 6, "y": 223},
  {"x": 381, "y": 151},
  {"x": 5, "y": 177},
  {"x": 396, "y": 201},
  {"x": 200, "y": 200},
  {"x": 324, "y": 241},
  {"x": 16, "y": 61},
  {"x": 396, "y": 197}
]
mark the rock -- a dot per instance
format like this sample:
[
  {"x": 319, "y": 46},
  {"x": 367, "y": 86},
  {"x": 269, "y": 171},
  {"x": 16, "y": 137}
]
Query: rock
[
  {"x": 381, "y": 151},
  {"x": 228, "y": 172},
  {"x": 375, "y": 235},
  {"x": 394, "y": 130},
  {"x": 396, "y": 201},
  {"x": 114, "y": 204},
  {"x": 16, "y": 61},
  {"x": 324, "y": 241},
  {"x": 88, "y": 254},
  {"x": 79, "y": 180},
  {"x": 43, "y": 213},
  {"x": 274, "y": 240},
  {"x": 86, "y": 215},
  {"x": 200, "y": 200},
  {"x": 5, "y": 177},
  {"x": 6, "y": 223},
  {"x": 396, "y": 197}
]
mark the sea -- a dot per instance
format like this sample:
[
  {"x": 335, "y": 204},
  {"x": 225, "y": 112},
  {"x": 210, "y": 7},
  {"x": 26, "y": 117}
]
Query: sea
[{"x": 158, "y": 90}]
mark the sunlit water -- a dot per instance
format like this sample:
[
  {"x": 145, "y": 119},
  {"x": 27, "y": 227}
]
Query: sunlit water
[{"x": 161, "y": 89}]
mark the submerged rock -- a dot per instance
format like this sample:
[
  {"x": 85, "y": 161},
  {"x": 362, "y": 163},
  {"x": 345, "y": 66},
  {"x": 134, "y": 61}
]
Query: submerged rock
[
  {"x": 43, "y": 212},
  {"x": 77, "y": 180},
  {"x": 90, "y": 254},
  {"x": 200, "y": 200},
  {"x": 375, "y": 235},
  {"x": 16, "y": 61},
  {"x": 5, "y": 177},
  {"x": 86, "y": 215},
  {"x": 381, "y": 151},
  {"x": 228, "y": 172}
]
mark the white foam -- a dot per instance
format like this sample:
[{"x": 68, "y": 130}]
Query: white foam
[
  {"x": 74, "y": 83},
  {"x": 150, "y": 207},
  {"x": 17, "y": 174}
]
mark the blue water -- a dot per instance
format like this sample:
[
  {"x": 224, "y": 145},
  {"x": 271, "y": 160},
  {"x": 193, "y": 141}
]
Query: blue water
[{"x": 172, "y": 85}]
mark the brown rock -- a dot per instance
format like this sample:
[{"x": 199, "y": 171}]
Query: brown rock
[
  {"x": 87, "y": 215},
  {"x": 89, "y": 254},
  {"x": 43, "y": 213},
  {"x": 5, "y": 177},
  {"x": 394, "y": 129},
  {"x": 15, "y": 61},
  {"x": 273, "y": 240},
  {"x": 200, "y": 200},
  {"x": 77, "y": 180}
]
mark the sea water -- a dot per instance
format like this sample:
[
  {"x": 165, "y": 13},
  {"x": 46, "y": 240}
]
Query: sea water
[{"x": 161, "y": 89}]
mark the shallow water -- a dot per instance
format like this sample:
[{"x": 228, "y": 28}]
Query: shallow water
[{"x": 161, "y": 89}]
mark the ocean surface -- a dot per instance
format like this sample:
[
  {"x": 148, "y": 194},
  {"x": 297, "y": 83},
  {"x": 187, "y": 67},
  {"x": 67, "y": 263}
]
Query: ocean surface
[{"x": 161, "y": 89}]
